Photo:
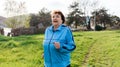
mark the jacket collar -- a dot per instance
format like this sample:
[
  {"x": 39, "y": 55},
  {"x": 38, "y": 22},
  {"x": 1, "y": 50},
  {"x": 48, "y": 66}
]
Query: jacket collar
[{"x": 58, "y": 29}]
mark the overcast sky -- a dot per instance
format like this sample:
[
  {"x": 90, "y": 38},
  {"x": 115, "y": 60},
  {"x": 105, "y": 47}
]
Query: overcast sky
[{"x": 33, "y": 6}]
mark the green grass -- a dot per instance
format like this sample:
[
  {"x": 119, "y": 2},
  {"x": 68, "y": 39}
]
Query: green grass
[
  {"x": 21, "y": 51},
  {"x": 94, "y": 49}
]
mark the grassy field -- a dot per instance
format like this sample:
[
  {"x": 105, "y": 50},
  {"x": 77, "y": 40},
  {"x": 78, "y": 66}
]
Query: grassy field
[{"x": 94, "y": 49}]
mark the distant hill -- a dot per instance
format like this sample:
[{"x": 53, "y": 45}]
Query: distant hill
[{"x": 2, "y": 19}]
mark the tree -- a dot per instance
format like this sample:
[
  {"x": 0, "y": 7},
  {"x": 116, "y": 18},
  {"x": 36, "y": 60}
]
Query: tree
[
  {"x": 88, "y": 6},
  {"x": 45, "y": 17},
  {"x": 34, "y": 20},
  {"x": 102, "y": 17},
  {"x": 13, "y": 9},
  {"x": 11, "y": 22},
  {"x": 42, "y": 17},
  {"x": 115, "y": 20},
  {"x": 85, "y": 5},
  {"x": 75, "y": 14},
  {"x": 18, "y": 21}
]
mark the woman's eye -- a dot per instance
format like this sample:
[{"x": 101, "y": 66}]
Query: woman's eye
[{"x": 53, "y": 16}]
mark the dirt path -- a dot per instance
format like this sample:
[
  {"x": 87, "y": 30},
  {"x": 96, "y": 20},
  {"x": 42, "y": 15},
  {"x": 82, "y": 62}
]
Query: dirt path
[{"x": 87, "y": 54}]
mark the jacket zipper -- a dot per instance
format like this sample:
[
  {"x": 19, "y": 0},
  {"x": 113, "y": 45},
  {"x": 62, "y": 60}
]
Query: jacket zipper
[{"x": 49, "y": 48}]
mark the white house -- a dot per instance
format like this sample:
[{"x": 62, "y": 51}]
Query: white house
[{"x": 7, "y": 31}]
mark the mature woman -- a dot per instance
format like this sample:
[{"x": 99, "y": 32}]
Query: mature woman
[{"x": 58, "y": 42}]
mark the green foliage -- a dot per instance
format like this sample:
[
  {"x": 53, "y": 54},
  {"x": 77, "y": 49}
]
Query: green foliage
[
  {"x": 18, "y": 21},
  {"x": 12, "y": 22},
  {"x": 98, "y": 28},
  {"x": 43, "y": 17},
  {"x": 27, "y": 22},
  {"x": 115, "y": 20},
  {"x": 75, "y": 14},
  {"x": 102, "y": 17}
]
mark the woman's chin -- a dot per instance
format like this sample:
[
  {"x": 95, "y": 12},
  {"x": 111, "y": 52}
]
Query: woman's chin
[{"x": 55, "y": 24}]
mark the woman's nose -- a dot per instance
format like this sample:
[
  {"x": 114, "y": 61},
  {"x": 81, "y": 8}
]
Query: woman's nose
[{"x": 54, "y": 18}]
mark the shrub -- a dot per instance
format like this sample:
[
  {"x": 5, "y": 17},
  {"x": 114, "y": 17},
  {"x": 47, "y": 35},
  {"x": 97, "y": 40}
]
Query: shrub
[{"x": 98, "y": 28}]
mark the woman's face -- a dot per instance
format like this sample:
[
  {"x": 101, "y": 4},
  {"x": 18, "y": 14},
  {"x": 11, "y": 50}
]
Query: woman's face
[{"x": 56, "y": 19}]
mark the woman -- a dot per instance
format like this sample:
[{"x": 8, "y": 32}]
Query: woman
[{"x": 58, "y": 42}]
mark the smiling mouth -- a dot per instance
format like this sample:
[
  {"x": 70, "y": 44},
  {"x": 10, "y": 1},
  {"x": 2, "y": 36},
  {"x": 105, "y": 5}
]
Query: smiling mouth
[{"x": 55, "y": 21}]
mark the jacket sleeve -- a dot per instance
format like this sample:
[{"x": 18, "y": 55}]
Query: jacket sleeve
[
  {"x": 69, "y": 46},
  {"x": 46, "y": 33}
]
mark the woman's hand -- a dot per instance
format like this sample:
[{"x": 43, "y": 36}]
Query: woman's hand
[{"x": 57, "y": 45}]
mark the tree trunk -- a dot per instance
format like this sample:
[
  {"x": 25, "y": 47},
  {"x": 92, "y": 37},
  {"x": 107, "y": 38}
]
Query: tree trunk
[{"x": 76, "y": 25}]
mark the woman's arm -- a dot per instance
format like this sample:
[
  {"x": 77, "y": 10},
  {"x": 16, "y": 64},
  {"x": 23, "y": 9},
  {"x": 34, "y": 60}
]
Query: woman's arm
[{"x": 69, "y": 46}]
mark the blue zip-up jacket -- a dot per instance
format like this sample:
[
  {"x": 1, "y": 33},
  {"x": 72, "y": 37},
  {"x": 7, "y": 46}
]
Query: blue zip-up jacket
[{"x": 58, "y": 57}]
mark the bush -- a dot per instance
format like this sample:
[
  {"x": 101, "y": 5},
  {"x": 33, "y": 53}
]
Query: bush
[
  {"x": 41, "y": 30},
  {"x": 98, "y": 28}
]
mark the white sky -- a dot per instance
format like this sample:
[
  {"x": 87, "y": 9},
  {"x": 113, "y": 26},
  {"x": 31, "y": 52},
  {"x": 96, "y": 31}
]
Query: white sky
[
  {"x": 112, "y": 5},
  {"x": 33, "y": 6}
]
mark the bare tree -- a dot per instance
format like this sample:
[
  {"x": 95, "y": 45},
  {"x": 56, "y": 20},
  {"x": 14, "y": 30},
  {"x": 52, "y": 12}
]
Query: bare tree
[
  {"x": 13, "y": 9},
  {"x": 94, "y": 5}
]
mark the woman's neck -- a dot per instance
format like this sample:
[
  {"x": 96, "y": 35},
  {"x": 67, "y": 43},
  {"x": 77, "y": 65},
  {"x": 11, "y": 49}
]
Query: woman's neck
[{"x": 56, "y": 26}]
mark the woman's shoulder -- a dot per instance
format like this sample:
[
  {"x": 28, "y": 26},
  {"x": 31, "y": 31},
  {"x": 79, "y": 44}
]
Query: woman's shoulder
[
  {"x": 49, "y": 27},
  {"x": 66, "y": 27}
]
